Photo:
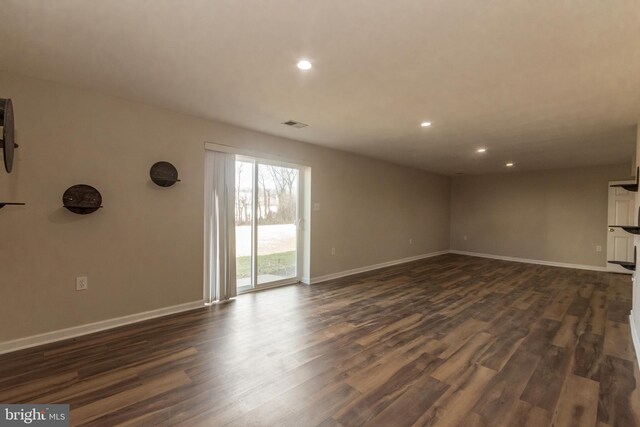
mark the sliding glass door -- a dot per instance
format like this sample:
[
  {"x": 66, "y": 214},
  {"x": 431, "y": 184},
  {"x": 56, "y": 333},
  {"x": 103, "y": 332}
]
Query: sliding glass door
[
  {"x": 277, "y": 218},
  {"x": 267, "y": 222},
  {"x": 244, "y": 223}
]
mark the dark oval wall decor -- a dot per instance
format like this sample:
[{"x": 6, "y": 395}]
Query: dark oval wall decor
[
  {"x": 164, "y": 174},
  {"x": 82, "y": 199},
  {"x": 7, "y": 142}
]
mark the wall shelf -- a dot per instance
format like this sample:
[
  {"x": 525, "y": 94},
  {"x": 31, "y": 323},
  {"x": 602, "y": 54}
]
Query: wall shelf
[
  {"x": 625, "y": 264},
  {"x": 3, "y": 204},
  {"x": 632, "y": 186},
  {"x": 82, "y": 209},
  {"x": 632, "y": 229},
  {"x": 629, "y": 265}
]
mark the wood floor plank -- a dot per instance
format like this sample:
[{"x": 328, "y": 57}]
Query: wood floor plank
[
  {"x": 540, "y": 336},
  {"x": 389, "y": 330},
  {"x": 371, "y": 403},
  {"x": 103, "y": 407},
  {"x": 545, "y": 385},
  {"x": 559, "y": 306},
  {"x": 455, "y": 339},
  {"x": 25, "y": 392},
  {"x": 457, "y": 400},
  {"x": 501, "y": 397},
  {"x": 618, "y": 310},
  {"x": 597, "y": 313},
  {"x": 568, "y": 333},
  {"x": 408, "y": 407},
  {"x": 527, "y": 415},
  {"x": 465, "y": 356},
  {"x": 616, "y": 341},
  {"x": 578, "y": 404},
  {"x": 378, "y": 373},
  {"x": 617, "y": 383},
  {"x": 588, "y": 356}
]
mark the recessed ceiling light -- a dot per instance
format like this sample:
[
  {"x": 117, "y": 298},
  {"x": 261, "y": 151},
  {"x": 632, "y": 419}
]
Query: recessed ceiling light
[
  {"x": 510, "y": 164},
  {"x": 304, "y": 65},
  {"x": 481, "y": 150},
  {"x": 425, "y": 124}
]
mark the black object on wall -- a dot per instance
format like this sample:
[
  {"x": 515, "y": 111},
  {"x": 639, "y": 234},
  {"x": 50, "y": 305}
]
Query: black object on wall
[
  {"x": 632, "y": 229},
  {"x": 3, "y": 204},
  {"x": 629, "y": 265},
  {"x": 8, "y": 142},
  {"x": 631, "y": 187},
  {"x": 164, "y": 174},
  {"x": 82, "y": 199}
]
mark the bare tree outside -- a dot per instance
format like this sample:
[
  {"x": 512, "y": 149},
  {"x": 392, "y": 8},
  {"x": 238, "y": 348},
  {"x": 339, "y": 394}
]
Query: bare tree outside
[
  {"x": 284, "y": 179},
  {"x": 277, "y": 195},
  {"x": 243, "y": 193}
]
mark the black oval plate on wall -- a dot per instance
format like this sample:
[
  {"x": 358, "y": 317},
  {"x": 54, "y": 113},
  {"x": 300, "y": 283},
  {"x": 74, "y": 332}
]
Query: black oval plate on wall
[
  {"x": 8, "y": 136},
  {"x": 164, "y": 174},
  {"x": 82, "y": 199}
]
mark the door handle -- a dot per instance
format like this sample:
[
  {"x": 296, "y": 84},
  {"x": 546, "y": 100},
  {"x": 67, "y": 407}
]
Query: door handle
[{"x": 611, "y": 230}]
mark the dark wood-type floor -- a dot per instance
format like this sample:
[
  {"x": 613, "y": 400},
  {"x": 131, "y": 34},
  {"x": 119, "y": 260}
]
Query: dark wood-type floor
[{"x": 448, "y": 341}]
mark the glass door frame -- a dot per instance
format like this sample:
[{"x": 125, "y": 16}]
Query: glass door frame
[{"x": 299, "y": 221}]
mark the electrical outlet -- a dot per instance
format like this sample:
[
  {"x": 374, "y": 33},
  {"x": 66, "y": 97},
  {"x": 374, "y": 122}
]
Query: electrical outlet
[
  {"x": 411, "y": 241},
  {"x": 598, "y": 248},
  {"x": 333, "y": 251},
  {"x": 465, "y": 237},
  {"x": 82, "y": 283}
]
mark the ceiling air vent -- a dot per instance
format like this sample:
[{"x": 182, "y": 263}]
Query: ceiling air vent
[{"x": 295, "y": 124}]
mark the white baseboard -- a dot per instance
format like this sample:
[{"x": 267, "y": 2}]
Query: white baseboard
[
  {"x": 89, "y": 328},
  {"x": 346, "y": 273},
  {"x": 531, "y": 261},
  {"x": 634, "y": 337}
]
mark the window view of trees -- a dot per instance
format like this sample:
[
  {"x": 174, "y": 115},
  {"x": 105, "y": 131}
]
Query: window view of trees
[{"x": 277, "y": 194}]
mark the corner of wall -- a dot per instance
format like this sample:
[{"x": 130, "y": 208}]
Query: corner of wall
[{"x": 451, "y": 219}]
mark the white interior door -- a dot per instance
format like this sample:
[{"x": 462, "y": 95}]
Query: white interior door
[{"x": 619, "y": 242}]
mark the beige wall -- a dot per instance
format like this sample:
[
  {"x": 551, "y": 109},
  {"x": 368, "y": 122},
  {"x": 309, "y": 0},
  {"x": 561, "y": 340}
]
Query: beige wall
[
  {"x": 143, "y": 251},
  {"x": 558, "y": 216}
]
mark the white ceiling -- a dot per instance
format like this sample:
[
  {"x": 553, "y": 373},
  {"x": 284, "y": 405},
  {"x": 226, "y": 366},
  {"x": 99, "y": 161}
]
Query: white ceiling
[{"x": 544, "y": 83}]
